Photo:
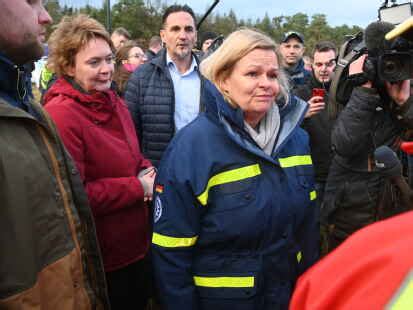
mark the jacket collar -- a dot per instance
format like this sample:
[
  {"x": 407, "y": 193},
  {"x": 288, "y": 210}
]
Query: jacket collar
[
  {"x": 12, "y": 80},
  {"x": 299, "y": 67},
  {"x": 232, "y": 119},
  {"x": 101, "y": 104},
  {"x": 312, "y": 82},
  {"x": 160, "y": 59}
]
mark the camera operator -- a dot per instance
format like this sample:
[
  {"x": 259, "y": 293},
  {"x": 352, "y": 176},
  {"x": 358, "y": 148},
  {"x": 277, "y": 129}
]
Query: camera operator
[{"x": 378, "y": 113}]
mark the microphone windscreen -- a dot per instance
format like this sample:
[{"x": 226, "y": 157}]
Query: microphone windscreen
[
  {"x": 374, "y": 36},
  {"x": 387, "y": 161}
]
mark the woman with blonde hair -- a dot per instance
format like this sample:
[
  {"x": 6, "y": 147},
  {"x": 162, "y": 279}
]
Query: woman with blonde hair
[
  {"x": 235, "y": 221},
  {"x": 97, "y": 130},
  {"x": 127, "y": 59}
]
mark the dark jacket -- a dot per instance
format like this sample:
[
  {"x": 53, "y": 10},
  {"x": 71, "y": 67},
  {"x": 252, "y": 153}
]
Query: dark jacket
[
  {"x": 298, "y": 74},
  {"x": 151, "y": 100},
  {"x": 99, "y": 134},
  {"x": 150, "y": 54},
  {"x": 354, "y": 188},
  {"x": 49, "y": 256},
  {"x": 319, "y": 129},
  {"x": 233, "y": 226}
]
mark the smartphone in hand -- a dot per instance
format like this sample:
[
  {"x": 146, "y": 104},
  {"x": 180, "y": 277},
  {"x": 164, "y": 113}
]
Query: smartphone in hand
[{"x": 318, "y": 92}]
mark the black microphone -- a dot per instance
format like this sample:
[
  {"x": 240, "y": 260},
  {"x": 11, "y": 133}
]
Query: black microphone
[{"x": 374, "y": 37}]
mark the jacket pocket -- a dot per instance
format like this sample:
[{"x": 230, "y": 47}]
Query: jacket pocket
[
  {"x": 305, "y": 176},
  {"x": 233, "y": 195}
]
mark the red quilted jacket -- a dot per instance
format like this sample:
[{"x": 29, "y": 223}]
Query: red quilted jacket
[{"x": 98, "y": 132}]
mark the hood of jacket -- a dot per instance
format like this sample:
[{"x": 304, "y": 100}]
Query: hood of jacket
[
  {"x": 101, "y": 105},
  {"x": 232, "y": 119}
]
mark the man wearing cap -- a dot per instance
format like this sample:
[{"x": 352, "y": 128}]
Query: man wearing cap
[{"x": 292, "y": 50}]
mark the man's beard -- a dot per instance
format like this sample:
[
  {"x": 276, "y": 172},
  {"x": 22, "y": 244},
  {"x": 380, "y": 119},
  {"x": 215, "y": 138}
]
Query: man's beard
[
  {"x": 182, "y": 54},
  {"x": 29, "y": 50}
]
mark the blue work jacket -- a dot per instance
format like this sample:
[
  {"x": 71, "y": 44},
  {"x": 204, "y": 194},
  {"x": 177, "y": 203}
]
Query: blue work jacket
[{"x": 233, "y": 227}]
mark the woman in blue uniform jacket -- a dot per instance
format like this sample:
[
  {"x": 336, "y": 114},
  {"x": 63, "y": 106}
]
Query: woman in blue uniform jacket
[{"x": 235, "y": 222}]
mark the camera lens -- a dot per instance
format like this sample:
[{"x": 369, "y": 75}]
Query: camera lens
[
  {"x": 394, "y": 67},
  {"x": 391, "y": 66}
]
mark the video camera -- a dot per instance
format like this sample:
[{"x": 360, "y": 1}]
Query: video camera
[{"x": 388, "y": 59}]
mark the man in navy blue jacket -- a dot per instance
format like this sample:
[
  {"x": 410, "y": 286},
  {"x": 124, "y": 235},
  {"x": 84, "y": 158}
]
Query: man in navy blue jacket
[
  {"x": 292, "y": 51},
  {"x": 163, "y": 95}
]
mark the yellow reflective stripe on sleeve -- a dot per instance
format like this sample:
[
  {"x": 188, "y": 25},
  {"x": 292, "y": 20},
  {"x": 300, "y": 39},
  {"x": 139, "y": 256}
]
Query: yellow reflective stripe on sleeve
[
  {"x": 228, "y": 177},
  {"x": 172, "y": 242},
  {"x": 313, "y": 195},
  {"x": 224, "y": 281},
  {"x": 404, "y": 296},
  {"x": 293, "y": 161},
  {"x": 299, "y": 257}
]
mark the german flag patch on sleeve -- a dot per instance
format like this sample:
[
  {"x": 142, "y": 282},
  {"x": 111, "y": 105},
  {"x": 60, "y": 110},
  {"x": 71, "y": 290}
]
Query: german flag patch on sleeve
[{"x": 159, "y": 188}]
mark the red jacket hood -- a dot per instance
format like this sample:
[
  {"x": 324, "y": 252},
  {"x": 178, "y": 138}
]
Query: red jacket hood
[{"x": 101, "y": 104}]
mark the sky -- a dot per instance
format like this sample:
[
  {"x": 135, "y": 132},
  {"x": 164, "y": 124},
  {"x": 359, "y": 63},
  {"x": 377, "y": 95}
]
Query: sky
[{"x": 350, "y": 12}]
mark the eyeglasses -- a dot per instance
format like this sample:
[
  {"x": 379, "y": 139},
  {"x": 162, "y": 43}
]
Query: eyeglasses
[
  {"x": 137, "y": 56},
  {"x": 328, "y": 64}
]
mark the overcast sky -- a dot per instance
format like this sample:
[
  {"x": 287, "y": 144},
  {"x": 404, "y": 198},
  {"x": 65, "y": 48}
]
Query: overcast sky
[{"x": 350, "y": 12}]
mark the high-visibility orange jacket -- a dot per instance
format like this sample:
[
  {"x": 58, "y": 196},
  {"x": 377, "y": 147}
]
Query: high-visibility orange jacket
[{"x": 373, "y": 269}]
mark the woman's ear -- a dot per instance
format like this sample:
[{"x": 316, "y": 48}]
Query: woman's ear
[
  {"x": 224, "y": 85},
  {"x": 125, "y": 61}
]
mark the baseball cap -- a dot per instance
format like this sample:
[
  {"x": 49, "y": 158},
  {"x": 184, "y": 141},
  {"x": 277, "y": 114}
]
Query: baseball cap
[{"x": 290, "y": 34}]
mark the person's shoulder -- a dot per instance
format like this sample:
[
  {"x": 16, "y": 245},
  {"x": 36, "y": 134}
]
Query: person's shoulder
[
  {"x": 62, "y": 109},
  {"x": 143, "y": 70},
  {"x": 303, "y": 90}
]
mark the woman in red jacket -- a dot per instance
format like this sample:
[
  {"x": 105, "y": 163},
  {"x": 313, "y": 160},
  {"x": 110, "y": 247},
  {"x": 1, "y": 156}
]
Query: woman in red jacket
[{"x": 98, "y": 132}]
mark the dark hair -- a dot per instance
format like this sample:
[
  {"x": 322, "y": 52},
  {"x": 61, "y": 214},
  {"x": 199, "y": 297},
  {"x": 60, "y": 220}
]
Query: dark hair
[
  {"x": 122, "y": 32},
  {"x": 325, "y": 46},
  {"x": 207, "y": 35},
  {"x": 177, "y": 8}
]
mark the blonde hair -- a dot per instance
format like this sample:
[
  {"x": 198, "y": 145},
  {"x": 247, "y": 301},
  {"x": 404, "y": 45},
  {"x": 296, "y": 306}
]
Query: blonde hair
[
  {"x": 219, "y": 65},
  {"x": 70, "y": 36}
]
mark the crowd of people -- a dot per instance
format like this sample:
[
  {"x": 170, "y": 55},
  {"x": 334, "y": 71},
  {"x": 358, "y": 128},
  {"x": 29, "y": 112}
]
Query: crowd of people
[{"x": 192, "y": 179}]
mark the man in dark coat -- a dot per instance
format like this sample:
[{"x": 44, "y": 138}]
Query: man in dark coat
[
  {"x": 49, "y": 258},
  {"x": 164, "y": 95},
  {"x": 317, "y": 122}
]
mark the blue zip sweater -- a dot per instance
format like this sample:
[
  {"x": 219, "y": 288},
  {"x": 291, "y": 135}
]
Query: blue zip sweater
[
  {"x": 233, "y": 227},
  {"x": 298, "y": 74},
  {"x": 15, "y": 86}
]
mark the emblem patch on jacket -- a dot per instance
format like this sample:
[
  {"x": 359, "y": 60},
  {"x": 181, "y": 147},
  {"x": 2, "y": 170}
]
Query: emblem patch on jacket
[{"x": 157, "y": 213}]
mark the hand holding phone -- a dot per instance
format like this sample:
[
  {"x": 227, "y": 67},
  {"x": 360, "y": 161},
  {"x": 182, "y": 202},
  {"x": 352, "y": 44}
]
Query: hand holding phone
[
  {"x": 316, "y": 102},
  {"x": 318, "y": 92}
]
